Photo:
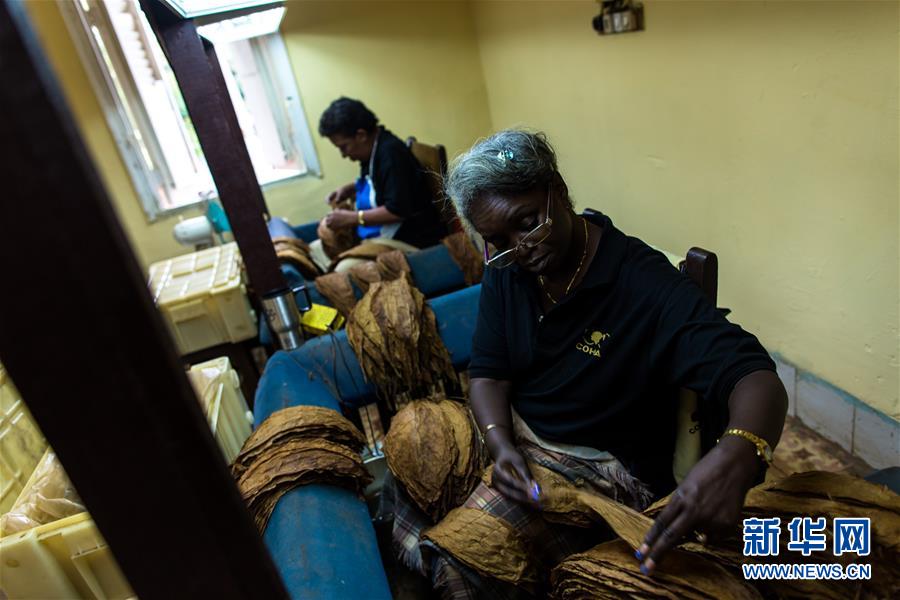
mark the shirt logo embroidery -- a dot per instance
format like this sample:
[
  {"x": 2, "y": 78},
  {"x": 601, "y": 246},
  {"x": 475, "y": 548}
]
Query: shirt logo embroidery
[{"x": 591, "y": 342}]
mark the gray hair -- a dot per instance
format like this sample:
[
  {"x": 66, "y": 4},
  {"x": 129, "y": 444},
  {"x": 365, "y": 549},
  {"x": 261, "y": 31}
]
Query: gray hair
[{"x": 509, "y": 162}]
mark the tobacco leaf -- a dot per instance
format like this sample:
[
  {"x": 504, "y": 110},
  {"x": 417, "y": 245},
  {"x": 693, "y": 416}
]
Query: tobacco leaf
[
  {"x": 486, "y": 544},
  {"x": 334, "y": 241},
  {"x": 364, "y": 275},
  {"x": 299, "y": 259},
  {"x": 466, "y": 256},
  {"x": 366, "y": 250},
  {"x": 392, "y": 265},
  {"x": 657, "y": 507},
  {"x": 337, "y": 289},
  {"x": 835, "y": 486},
  {"x": 563, "y": 502},
  {"x": 291, "y": 242}
]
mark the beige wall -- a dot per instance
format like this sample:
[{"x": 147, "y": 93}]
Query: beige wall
[
  {"x": 423, "y": 80},
  {"x": 765, "y": 131},
  {"x": 151, "y": 242}
]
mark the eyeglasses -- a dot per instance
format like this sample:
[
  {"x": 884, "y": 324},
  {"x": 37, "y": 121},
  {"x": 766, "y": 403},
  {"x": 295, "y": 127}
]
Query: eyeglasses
[{"x": 501, "y": 260}]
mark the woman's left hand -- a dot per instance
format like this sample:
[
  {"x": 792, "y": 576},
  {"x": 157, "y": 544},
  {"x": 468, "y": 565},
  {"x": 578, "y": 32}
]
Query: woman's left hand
[
  {"x": 341, "y": 219},
  {"x": 708, "y": 501}
]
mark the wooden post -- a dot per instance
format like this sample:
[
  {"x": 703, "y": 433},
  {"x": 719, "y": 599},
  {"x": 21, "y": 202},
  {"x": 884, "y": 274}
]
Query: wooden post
[
  {"x": 90, "y": 354},
  {"x": 203, "y": 88}
]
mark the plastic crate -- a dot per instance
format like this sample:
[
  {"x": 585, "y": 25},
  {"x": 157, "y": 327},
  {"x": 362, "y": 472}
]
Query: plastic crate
[
  {"x": 21, "y": 443},
  {"x": 203, "y": 298},
  {"x": 64, "y": 559},
  {"x": 219, "y": 390},
  {"x": 69, "y": 558}
]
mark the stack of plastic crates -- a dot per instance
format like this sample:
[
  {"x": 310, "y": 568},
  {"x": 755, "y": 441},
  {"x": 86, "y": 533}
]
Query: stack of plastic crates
[
  {"x": 203, "y": 298},
  {"x": 68, "y": 558}
]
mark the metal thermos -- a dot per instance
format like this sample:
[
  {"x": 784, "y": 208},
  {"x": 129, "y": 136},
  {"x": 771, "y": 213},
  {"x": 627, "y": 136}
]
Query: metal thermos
[{"x": 283, "y": 316}]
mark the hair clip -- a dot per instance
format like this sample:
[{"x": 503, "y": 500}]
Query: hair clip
[{"x": 505, "y": 155}]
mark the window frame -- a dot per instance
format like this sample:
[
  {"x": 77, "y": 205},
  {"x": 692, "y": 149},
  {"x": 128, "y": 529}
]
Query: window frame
[{"x": 143, "y": 177}]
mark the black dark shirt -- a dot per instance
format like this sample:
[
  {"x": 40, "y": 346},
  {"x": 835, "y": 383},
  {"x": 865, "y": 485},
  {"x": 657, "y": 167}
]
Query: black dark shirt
[
  {"x": 602, "y": 367},
  {"x": 400, "y": 185}
]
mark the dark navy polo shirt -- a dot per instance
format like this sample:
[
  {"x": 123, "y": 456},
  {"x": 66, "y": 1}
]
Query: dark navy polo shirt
[
  {"x": 602, "y": 368},
  {"x": 400, "y": 185}
]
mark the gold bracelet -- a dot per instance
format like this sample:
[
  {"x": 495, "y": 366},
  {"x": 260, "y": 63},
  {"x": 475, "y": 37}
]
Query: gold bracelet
[
  {"x": 763, "y": 450},
  {"x": 359, "y": 217}
]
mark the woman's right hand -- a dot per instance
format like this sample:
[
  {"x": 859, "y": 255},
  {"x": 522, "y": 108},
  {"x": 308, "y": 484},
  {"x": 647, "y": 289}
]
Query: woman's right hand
[
  {"x": 512, "y": 478},
  {"x": 344, "y": 192}
]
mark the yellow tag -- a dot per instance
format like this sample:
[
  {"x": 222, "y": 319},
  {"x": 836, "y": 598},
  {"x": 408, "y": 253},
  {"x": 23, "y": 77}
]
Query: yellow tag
[{"x": 320, "y": 319}]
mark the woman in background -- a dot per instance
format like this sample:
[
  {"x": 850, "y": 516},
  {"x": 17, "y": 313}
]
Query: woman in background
[{"x": 391, "y": 200}]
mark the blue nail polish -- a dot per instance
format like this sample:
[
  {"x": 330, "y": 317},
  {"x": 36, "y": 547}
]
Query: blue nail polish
[
  {"x": 644, "y": 569},
  {"x": 535, "y": 491},
  {"x": 638, "y": 555}
]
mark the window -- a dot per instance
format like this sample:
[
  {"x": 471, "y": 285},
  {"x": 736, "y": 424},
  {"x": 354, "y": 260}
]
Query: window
[
  {"x": 147, "y": 115},
  {"x": 196, "y": 8}
]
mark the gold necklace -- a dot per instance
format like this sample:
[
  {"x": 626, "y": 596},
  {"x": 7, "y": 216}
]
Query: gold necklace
[{"x": 577, "y": 271}]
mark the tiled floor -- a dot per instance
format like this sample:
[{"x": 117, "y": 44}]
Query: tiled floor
[{"x": 802, "y": 449}]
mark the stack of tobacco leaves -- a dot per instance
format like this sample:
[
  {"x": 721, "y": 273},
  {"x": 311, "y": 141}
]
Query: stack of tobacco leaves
[
  {"x": 811, "y": 494},
  {"x": 394, "y": 335},
  {"x": 466, "y": 256},
  {"x": 334, "y": 241},
  {"x": 820, "y": 494},
  {"x": 296, "y": 252},
  {"x": 298, "y": 446},
  {"x": 610, "y": 570},
  {"x": 435, "y": 452},
  {"x": 336, "y": 288}
]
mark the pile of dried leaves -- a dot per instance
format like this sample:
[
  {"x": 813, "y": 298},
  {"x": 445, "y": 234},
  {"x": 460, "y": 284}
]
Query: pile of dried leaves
[
  {"x": 337, "y": 287},
  {"x": 298, "y": 446},
  {"x": 611, "y": 571},
  {"x": 394, "y": 335},
  {"x": 714, "y": 570},
  {"x": 435, "y": 452},
  {"x": 295, "y": 251},
  {"x": 466, "y": 256}
]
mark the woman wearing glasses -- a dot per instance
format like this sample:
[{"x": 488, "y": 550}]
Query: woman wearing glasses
[{"x": 583, "y": 337}]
